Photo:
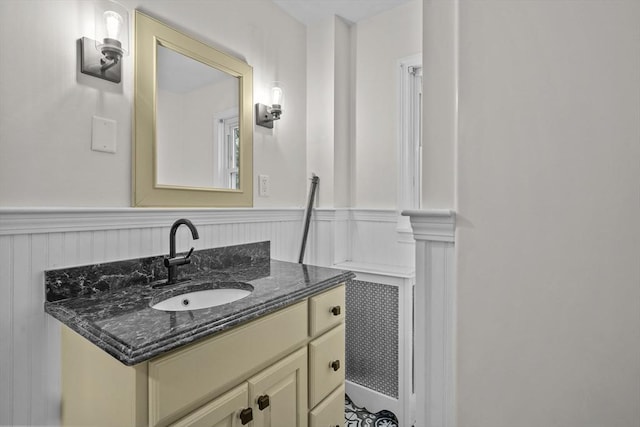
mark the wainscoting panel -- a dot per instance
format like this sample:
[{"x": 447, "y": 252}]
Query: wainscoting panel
[
  {"x": 375, "y": 239},
  {"x": 329, "y": 237},
  {"x": 435, "y": 317},
  {"x": 39, "y": 239},
  {"x": 32, "y": 241},
  {"x": 6, "y": 329}
]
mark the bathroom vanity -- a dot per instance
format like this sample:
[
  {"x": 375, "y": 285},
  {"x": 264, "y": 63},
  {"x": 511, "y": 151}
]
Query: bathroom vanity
[{"x": 272, "y": 358}]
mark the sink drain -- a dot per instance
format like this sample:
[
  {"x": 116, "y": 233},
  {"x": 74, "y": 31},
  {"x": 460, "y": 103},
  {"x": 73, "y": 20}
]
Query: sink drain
[{"x": 185, "y": 302}]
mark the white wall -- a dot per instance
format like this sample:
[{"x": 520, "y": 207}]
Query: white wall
[
  {"x": 352, "y": 98},
  {"x": 46, "y": 107},
  {"x": 45, "y": 161},
  {"x": 321, "y": 77},
  {"x": 343, "y": 113},
  {"x": 329, "y": 107},
  {"x": 439, "y": 103},
  {"x": 381, "y": 41},
  {"x": 548, "y": 240}
]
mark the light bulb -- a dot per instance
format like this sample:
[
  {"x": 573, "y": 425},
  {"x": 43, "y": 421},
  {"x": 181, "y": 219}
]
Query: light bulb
[
  {"x": 113, "y": 24},
  {"x": 276, "y": 95}
]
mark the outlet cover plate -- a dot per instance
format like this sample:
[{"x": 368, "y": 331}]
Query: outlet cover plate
[{"x": 263, "y": 185}]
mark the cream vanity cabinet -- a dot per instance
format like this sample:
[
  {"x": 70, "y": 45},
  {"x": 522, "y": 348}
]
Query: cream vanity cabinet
[{"x": 285, "y": 369}]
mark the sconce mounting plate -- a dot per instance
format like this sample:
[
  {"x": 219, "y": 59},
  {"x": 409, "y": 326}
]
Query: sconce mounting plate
[
  {"x": 90, "y": 62},
  {"x": 263, "y": 117}
]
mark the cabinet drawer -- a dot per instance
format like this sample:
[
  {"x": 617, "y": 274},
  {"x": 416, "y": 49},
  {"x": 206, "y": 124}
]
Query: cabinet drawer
[
  {"x": 326, "y": 364},
  {"x": 330, "y": 412},
  {"x": 326, "y": 310},
  {"x": 185, "y": 379}
]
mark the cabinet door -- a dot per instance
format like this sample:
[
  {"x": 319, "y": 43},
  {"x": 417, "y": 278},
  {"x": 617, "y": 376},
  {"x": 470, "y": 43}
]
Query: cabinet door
[
  {"x": 278, "y": 395},
  {"x": 330, "y": 412},
  {"x": 223, "y": 411}
]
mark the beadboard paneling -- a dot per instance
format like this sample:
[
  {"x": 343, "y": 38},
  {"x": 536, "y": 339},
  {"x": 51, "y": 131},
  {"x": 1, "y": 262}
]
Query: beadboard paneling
[
  {"x": 6, "y": 329},
  {"x": 435, "y": 317},
  {"x": 375, "y": 239},
  {"x": 39, "y": 239},
  {"x": 30, "y": 339}
]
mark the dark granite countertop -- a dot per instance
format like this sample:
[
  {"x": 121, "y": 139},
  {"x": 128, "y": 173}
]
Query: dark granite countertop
[{"x": 120, "y": 319}]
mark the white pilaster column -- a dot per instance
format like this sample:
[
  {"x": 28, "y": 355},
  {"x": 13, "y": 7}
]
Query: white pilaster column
[{"x": 435, "y": 317}]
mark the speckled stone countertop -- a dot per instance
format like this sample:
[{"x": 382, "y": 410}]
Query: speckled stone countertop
[{"x": 110, "y": 304}]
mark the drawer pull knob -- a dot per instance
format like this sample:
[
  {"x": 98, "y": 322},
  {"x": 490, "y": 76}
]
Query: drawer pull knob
[
  {"x": 263, "y": 402},
  {"x": 335, "y": 365},
  {"x": 335, "y": 310},
  {"x": 246, "y": 416}
]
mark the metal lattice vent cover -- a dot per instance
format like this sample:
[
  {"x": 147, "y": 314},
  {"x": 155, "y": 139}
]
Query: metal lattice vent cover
[{"x": 372, "y": 336}]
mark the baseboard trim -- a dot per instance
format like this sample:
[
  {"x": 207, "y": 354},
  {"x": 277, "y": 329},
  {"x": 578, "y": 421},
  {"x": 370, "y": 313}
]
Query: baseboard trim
[{"x": 372, "y": 400}]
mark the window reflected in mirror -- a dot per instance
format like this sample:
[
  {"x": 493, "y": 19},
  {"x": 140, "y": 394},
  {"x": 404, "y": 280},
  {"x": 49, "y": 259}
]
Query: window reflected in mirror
[{"x": 227, "y": 150}]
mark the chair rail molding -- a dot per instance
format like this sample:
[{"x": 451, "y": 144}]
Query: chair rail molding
[
  {"x": 46, "y": 220},
  {"x": 432, "y": 225},
  {"x": 435, "y": 317}
]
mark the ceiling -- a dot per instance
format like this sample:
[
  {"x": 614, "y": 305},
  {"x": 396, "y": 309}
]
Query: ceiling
[{"x": 310, "y": 11}]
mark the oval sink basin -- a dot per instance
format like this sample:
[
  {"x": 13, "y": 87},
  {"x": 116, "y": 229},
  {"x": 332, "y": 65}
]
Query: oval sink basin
[{"x": 201, "y": 299}]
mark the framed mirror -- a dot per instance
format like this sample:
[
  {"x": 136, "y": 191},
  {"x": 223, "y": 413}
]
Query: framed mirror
[{"x": 193, "y": 141}]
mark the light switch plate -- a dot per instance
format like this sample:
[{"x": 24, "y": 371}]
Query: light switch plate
[{"x": 103, "y": 135}]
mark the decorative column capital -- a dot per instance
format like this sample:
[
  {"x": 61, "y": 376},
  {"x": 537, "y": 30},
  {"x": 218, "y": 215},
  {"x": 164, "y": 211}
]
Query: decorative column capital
[{"x": 433, "y": 225}]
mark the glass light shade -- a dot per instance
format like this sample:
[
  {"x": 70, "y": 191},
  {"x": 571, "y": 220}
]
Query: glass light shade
[
  {"x": 277, "y": 94},
  {"x": 112, "y": 24}
]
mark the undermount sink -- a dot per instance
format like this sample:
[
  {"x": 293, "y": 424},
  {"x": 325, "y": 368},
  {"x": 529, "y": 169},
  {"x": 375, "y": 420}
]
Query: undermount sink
[{"x": 206, "y": 298}]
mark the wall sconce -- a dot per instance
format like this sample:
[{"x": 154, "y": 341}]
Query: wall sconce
[
  {"x": 100, "y": 57},
  {"x": 266, "y": 115}
]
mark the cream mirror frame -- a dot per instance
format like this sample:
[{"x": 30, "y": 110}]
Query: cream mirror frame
[{"x": 149, "y": 34}]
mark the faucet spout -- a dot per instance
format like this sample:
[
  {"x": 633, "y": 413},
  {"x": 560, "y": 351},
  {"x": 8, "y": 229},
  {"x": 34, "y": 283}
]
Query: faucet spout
[
  {"x": 174, "y": 229},
  {"x": 172, "y": 262}
]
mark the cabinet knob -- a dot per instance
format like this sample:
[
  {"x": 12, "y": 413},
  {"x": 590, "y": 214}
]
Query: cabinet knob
[
  {"x": 263, "y": 402},
  {"x": 335, "y": 310},
  {"x": 335, "y": 365},
  {"x": 246, "y": 416}
]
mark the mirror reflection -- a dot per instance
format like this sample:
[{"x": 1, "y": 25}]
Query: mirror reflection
[{"x": 197, "y": 124}]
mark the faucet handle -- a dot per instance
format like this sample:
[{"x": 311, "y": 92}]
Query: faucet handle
[{"x": 189, "y": 254}]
